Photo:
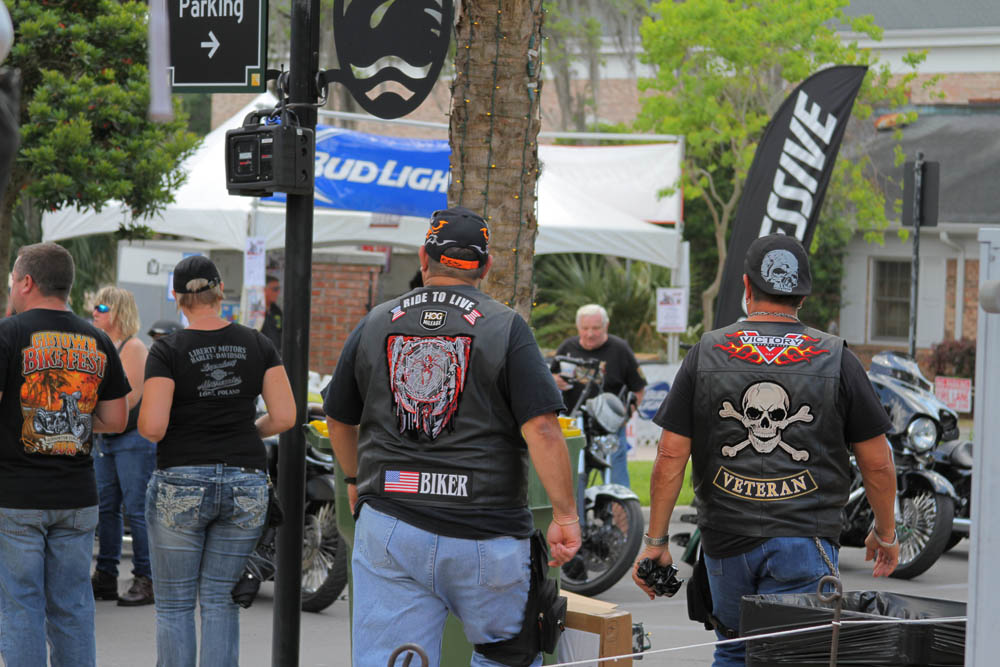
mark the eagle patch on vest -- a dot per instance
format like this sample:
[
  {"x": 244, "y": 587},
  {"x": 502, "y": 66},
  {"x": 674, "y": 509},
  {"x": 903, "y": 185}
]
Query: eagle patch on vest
[
  {"x": 426, "y": 378},
  {"x": 765, "y": 414},
  {"x": 752, "y": 347}
]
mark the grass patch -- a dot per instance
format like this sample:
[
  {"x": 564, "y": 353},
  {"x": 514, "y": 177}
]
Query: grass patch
[{"x": 639, "y": 473}]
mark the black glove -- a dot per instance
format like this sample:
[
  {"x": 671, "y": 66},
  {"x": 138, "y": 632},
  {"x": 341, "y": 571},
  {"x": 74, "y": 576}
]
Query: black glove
[{"x": 662, "y": 579}]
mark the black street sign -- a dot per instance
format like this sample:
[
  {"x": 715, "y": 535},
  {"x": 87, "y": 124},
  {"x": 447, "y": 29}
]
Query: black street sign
[{"x": 217, "y": 46}]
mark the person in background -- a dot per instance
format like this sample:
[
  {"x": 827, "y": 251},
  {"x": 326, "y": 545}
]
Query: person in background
[
  {"x": 619, "y": 370},
  {"x": 123, "y": 463},
  {"x": 207, "y": 500},
  {"x": 60, "y": 382},
  {"x": 272, "y": 318}
]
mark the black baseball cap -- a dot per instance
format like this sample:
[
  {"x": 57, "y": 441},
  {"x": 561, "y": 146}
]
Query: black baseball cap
[
  {"x": 193, "y": 268},
  {"x": 454, "y": 228},
  {"x": 778, "y": 265}
]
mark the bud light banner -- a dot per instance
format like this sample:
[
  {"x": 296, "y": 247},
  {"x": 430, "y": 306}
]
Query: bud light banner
[
  {"x": 366, "y": 172},
  {"x": 791, "y": 169}
]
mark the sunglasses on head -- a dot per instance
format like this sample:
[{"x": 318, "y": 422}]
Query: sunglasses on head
[{"x": 102, "y": 308}]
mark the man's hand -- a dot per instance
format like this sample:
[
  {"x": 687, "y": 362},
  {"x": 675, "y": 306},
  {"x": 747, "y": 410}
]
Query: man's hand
[
  {"x": 659, "y": 555},
  {"x": 564, "y": 542},
  {"x": 886, "y": 558},
  {"x": 561, "y": 382}
]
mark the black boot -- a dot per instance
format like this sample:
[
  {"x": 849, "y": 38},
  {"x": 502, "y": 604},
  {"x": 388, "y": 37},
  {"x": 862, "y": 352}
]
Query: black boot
[
  {"x": 139, "y": 593},
  {"x": 105, "y": 585}
]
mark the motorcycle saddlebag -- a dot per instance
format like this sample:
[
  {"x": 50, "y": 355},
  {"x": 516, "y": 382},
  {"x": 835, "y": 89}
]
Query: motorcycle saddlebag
[{"x": 869, "y": 644}]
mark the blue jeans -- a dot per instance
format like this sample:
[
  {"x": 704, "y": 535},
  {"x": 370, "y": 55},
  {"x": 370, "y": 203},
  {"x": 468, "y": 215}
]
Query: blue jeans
[
  {"x": 203, "y": 523},
  {"x": 619, "y": 460},
  {"x": 406, "y": 580},
  {"x": 780, "y": 565},
  {"x": 45, "y": 587},
  {"x": 123, "y": 464}
]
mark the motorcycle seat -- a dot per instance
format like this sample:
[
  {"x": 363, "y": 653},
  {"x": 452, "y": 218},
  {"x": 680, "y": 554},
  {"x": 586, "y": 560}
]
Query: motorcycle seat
[{"x": 957, "y": 452}]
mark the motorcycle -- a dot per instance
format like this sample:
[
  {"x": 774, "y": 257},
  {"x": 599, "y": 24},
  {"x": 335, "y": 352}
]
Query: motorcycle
[
  {"x": 611, "y": 522},
  {"x": 954, "y": 460},
  {"x": 925, "y": 499},
  {"x": 324, "y": 552}
]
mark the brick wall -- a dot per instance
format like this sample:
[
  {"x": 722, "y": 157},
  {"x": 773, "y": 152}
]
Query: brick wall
[
  {"x": 949, "y": 304},
  {"x": 970, "y": 314},
  {"x": 958, "y": 88},
  {"x": 340, "y": 298}
]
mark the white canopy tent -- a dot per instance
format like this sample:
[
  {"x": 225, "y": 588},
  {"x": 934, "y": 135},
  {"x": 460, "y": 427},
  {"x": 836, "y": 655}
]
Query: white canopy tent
[{"x": 591, "y": 200}]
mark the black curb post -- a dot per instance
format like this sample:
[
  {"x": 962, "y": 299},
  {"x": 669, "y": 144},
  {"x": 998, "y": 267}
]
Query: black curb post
[{"x": 303, "y": 65}]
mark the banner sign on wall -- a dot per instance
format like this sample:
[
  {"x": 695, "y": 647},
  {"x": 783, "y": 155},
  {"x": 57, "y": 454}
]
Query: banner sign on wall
[
  {"x": 790, "y": 172},
  {"x": 671, "y": 309},
  {"x": 366, "y": 172}
]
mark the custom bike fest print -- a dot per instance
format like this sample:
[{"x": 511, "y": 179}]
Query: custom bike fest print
[{"x": 62, "y": 373}]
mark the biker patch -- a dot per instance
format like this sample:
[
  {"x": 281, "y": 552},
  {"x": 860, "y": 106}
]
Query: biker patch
[
  {"x": 419, "y": 482},
  {"x": 469, "y": 307},
  {"x": 765, "y": 415},
  {"x": 433, "y": 319},
  {"x": 766, "y": 489},
  {"x": 754, "y": 348},
  {"x": 62, "y": 372},
  {"x": 426, "y": 378}
]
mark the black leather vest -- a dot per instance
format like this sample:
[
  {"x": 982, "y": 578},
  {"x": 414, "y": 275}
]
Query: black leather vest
[
  {"x": 436, "y": 429},
  {"x": 768, "y": 450}
]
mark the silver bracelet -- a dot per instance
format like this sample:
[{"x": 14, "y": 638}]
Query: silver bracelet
[
  {"x": 654, "y": 541},
  {"x": 887, "y": 545}
]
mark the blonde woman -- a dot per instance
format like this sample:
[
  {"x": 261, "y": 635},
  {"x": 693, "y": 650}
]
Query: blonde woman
[
  {"x": 123, "y": 463},
  {"x": 207, "y": 500}
]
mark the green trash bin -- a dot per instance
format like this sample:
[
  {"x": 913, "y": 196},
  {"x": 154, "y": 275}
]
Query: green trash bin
[{"x": 456, "y": 651}]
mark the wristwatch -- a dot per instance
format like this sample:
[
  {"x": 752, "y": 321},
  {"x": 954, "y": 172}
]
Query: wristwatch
[{"x": 654, "y": 541}]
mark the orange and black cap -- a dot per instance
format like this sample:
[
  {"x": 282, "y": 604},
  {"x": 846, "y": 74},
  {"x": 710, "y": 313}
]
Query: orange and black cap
[{"x": 456, "y": 228}]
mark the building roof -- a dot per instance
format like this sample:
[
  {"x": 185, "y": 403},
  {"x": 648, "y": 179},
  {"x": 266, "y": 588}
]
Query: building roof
[
  {"x": 928, "y": 14},
  {"x": 967, "y": 144}
]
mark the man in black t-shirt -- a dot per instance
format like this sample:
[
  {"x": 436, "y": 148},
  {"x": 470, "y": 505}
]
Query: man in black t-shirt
[
  {"x": 437, "y": 401},
  {"x": 766, "y": 409},
  {"x": 60, "y": 382},
  {"x": 273, "y": 315},
  {"x": 618, "y": 370}
]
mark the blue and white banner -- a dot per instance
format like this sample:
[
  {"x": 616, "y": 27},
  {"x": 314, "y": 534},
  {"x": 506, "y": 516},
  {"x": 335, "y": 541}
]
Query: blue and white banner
[{"x": 367, "y": 172}]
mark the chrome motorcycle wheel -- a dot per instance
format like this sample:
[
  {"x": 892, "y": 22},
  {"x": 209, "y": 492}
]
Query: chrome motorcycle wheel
[
  {"x": 612, "y": 535},
  {"x": 324, "y": 558},
  {"x": 924, "y": 527}
]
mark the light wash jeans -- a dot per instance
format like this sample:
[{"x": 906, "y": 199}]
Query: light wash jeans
[
  {"x": 619, "y": 460},
  {"x": 406, "y": 580},
  {"x": 123, "y": 465},
  {"x": 45, "y": 587},
  {"x": 780, "y": 565},
  {"x": 203, "y": 523}
]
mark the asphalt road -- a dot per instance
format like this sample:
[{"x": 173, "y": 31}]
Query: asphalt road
[{"x": 126, "y": 636}]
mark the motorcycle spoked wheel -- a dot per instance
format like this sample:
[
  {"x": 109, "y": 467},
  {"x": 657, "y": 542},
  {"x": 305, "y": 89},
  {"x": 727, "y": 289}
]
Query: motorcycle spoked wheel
[
  {"x": 611, "y": 540},
  {"x": 924, "y": 529},
  {"x": 324, "y": 558}
]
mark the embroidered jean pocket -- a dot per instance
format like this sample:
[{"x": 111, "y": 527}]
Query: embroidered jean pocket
[
  {"x": 372, "y": 536},
  {"x": 19, "y": 522},
  {"x": 177, "y": 507},
  {"x": 503, "y": 562},
  {"x": 250, "y": 506}
]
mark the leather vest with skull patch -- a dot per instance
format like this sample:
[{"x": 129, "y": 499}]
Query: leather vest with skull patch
[
  {"x": 768, "y": 450},
  {"x": 436, "y": 429}
]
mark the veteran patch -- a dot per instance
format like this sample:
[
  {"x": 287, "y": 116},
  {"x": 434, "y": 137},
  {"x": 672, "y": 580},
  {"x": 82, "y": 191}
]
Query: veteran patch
[{"x": 767, "y": 489}]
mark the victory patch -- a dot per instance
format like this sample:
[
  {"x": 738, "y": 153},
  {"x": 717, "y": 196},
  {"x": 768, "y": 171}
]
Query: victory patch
[{"x": 754, "y": 348}]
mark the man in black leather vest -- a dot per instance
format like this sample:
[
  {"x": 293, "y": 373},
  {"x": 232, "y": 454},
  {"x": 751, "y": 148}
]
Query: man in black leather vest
[
  {"x": 767, "y": 409},
  {"x": 437, "y": 402}
]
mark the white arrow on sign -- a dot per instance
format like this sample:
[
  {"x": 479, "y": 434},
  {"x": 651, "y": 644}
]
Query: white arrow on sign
[{"x": 213, "y": 45}]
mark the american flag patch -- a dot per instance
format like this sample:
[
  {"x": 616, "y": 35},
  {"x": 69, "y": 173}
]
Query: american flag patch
[
  {"x": 397, "y": 313},
  {"x": 472, "y": 316},
  {"x": 401, "y": 481}
]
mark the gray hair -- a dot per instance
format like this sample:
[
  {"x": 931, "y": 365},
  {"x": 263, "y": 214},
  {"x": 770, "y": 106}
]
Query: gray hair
[{"x": 592, "y": 309}]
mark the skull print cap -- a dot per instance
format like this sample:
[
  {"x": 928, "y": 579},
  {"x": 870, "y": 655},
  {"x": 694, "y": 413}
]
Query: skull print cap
[
  {"x": 455, "y": 228},
  {"x": 778, "y": 265}
]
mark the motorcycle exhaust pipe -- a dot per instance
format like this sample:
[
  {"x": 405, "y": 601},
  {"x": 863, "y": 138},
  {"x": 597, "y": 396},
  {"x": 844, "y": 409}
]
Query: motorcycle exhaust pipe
[{"x": 961, "y": 525}]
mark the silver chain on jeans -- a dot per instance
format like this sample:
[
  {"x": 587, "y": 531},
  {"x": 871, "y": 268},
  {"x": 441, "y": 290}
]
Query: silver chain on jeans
[{"x": 826, "y": 559}]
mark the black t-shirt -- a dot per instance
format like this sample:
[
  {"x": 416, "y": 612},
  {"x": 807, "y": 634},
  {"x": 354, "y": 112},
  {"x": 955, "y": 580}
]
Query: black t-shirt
[
  {"x": 217, "y": 377},
  {"x": 530, "y": 391},
  {"x": 272, "y": 325},
  {"x": 860, "y": 409},
  {"x": 619, "y": 368},
  {"x": 54, "y": 369}
]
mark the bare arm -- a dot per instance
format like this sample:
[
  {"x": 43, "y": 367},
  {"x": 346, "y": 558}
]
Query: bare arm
[
  {"x": 344, "y": 440},
  {"x": 672, "y": 454},
  {"x": 110, "y": 416},
  {"x": 154, "y": 415},
  {"x": 280, "y": 402},
  {"x": 874, "y": 458},
  {"x": 550, "y": 457},
  {"x": 133, "y": 357}
]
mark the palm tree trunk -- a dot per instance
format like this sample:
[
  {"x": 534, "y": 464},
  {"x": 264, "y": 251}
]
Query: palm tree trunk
[{"x": 495, "y": 120}]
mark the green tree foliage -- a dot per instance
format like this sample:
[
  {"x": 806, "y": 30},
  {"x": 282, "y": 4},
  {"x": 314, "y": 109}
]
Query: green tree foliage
[
  {"x": 85, "y": 137},
  {"x": 626, "y": 289},
  {"x": 723, "y": 69}
]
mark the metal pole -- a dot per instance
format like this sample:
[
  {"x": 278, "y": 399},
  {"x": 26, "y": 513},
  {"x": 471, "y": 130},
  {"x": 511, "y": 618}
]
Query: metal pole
[
  {"x": 303, "y": 65},
  {"x": 918, "y": 172}
]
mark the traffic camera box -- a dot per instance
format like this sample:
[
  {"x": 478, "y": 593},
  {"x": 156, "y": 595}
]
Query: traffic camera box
[{"x": 264, "y": 159}]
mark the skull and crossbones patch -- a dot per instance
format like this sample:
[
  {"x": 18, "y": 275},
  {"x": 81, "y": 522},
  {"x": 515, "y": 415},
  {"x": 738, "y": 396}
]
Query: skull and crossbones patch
[{"x": 765, "y": 414}]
